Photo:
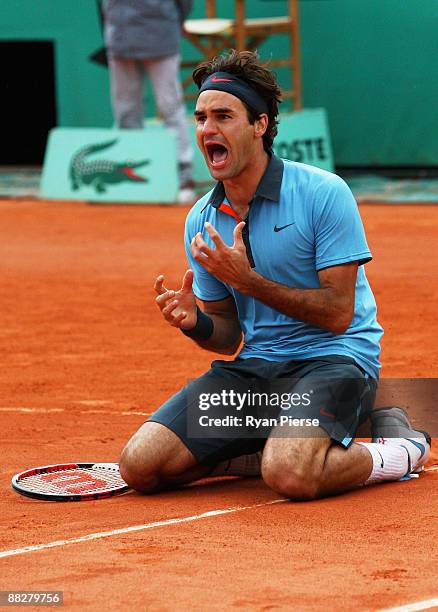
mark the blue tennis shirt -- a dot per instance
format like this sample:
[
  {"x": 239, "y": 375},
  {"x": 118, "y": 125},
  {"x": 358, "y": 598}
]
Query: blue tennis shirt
[{"x": 301, "y": 220}]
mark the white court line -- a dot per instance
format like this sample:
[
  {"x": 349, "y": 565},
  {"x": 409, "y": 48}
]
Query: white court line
[
  {"x": 133, "y": 528},
  {"x": 51, "y": 410},
  {"x": 37, "y": 410},
  {"x": 419, "y": 605}
]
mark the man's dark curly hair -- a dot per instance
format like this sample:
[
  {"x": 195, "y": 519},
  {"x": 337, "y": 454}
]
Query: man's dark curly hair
[{"x": 246, "y": 65}]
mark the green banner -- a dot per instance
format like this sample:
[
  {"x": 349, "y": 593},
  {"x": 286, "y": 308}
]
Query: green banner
[
  {"x": 304, "y": 137},
  {"x": 108, "y": 165}
]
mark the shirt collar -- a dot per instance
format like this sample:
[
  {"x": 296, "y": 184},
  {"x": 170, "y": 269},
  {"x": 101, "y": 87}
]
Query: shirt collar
[{"x": 269, "y": 186}]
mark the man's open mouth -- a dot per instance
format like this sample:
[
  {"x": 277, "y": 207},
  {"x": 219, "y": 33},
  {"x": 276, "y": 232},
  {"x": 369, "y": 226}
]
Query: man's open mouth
[{"x": 217, "y": 154}]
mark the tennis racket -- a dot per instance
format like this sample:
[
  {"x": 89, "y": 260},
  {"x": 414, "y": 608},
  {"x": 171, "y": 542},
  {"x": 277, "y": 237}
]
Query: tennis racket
[{"x": 71, "y": 482}]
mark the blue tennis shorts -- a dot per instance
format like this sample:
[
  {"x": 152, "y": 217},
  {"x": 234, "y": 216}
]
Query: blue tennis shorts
[{"x": 234, "y": 407}]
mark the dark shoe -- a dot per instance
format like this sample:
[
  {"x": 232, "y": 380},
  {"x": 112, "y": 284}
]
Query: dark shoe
[{"x": 393, "y": 425}]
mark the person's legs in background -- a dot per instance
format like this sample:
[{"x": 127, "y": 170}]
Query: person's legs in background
[
  {"x": 165, "y": 79},
  {"x": 127, "y": 80}
]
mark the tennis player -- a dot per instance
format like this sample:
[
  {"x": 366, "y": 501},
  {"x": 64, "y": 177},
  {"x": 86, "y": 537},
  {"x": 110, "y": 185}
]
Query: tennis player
[{"x": 277, "y": 253}]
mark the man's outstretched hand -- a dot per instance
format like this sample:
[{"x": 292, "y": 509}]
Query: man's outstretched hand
[{"x": 177, "y": 307}]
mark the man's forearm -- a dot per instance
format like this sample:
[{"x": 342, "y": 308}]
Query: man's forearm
[{"x": 323, "y": 307}]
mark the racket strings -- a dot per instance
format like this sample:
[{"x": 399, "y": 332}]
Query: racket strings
[{"x": 80, "y": 481}]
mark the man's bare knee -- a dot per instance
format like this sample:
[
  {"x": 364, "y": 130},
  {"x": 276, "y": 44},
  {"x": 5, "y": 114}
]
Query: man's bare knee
[
  {"x": 139, "y": 474},
  {"x": 292, "y": 482},
  {"x": 294, "y": 467},
  {"x": 152, "y": 456}
]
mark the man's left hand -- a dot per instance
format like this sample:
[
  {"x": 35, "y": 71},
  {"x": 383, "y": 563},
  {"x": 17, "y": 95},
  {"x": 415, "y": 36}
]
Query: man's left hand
[{"x": 228, "y": 264}]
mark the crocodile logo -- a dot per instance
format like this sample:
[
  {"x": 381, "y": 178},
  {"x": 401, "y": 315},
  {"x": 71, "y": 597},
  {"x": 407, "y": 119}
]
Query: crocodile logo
[{"x": 102, "y": 172}]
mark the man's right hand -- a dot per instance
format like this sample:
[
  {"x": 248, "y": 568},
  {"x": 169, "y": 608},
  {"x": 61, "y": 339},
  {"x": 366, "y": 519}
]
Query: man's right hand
[{"x": 177, "y": 307}]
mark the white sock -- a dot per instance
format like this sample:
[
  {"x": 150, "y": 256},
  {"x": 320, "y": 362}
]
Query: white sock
[
  {"x": 390, "y": 462},
  {"x": 245, "y": 465},
  {"x": 414, "y": 451}
]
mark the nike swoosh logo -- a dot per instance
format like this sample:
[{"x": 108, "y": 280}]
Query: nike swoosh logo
[
  {"x": 409, "y": 460},
  {"x": 278, "y": 229},
  {"x": 420, "y": 446},
  {"x": 219, "y": 80},
  {"x": 381, "y": 458}
]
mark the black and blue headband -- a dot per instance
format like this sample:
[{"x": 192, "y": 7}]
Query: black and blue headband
[{"x": 224, "y": 81}]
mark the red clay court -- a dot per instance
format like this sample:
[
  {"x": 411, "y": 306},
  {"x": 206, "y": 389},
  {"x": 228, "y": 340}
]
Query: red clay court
[{"x": 86, "y": 357}]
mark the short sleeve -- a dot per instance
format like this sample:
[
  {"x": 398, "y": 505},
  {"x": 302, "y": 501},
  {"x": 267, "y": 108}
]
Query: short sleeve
[
  {"x": 206, "y": 287},
  {"x": 338, "y": 230}
]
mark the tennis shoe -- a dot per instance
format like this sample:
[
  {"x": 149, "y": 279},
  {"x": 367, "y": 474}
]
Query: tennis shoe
[{"x": 392, "y": 426}]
